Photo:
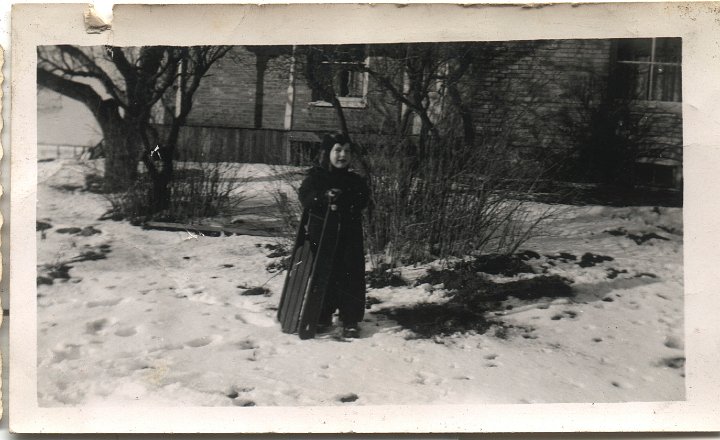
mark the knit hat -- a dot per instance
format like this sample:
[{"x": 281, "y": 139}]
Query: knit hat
[{"x": 329, "y": 141}]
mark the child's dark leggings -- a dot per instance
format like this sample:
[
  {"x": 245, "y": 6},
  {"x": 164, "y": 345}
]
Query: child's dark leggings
[{"x": 346, "y": 293}]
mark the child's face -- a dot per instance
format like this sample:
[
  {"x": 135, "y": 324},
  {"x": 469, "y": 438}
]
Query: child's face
[{"x": 340, "y": 155}]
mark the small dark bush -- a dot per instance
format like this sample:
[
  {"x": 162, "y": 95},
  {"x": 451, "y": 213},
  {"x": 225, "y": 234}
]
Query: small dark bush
[
  {"x": 613, "y": 273},
  {"x": 94, "y": 183},
  {"x": 472, "y": 295},
  {"x": 640, "y": 239},
  {"x": 44, "y": 280},
  {"x": 254, "y": 291},
  {"x": 589, "y": 259},
  {"x": 428, "y": 320},
  {"x": 58, "y": 271},
  {"x": 508, "y": 265},
  {"x": 277, "y": 250},
  {"x": 563, "y": 257},
  {"x": 347, "y": 398},
  {"x": 42, "y": 226},
  {"x": 383, "y": 276},
  {"x": 279, "y": 265},
  {"x": 485, "y": 297},
  {"x": 90, "y": 255},
  {"x": 456, "y": 279},
  {"x": 371, "y": 301},
  {"x": 67, "y": 187},
  {"x": 89, "y": 230},
  {"x": 528, "y": 255}
]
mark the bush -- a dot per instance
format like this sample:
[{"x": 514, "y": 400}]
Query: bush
[
  {"x": 382, "y": 276},
  {"x": 448, "y": 200},
  {"x": 287, "y": 182},
  {"x": 198, "y": 190}
]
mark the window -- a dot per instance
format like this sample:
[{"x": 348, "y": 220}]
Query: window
[
  {"x": 649, "y": 69},
  {"x": 342, "y": 68}
]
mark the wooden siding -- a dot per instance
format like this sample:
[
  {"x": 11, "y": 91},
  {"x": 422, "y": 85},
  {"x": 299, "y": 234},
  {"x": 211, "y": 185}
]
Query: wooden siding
[{"x": 232, "y": 145}]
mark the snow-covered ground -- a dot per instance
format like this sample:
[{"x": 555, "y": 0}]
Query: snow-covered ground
[{"x": 162, "y": 319}]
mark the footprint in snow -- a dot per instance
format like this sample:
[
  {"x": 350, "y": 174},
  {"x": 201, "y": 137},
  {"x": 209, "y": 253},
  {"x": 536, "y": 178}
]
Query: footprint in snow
[
  {"x": 261, "y": 318},
  {"x": 98, "y": 326},
  {"x": 243, "y": 402},
  {"x": 235, "y": 391},
  {"x": 202, "y": 342},
  {"x": 423, "y": 378},
  {"x": 622, "y": 385},
  {"x": 569, "y": 314},
  {"x": 104, "y": 303},
  {"x": 126, "y": 332},
  {"x": 672, "y": 341},
  {"x": 246, "y": 344},
  {"x": 66, "y": 352},
  {"x": 677, "y": 362}
]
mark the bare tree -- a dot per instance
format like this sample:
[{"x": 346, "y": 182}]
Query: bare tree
[
  {"x": 123, "y": 87},
  {"x": 440, "y": 187}
]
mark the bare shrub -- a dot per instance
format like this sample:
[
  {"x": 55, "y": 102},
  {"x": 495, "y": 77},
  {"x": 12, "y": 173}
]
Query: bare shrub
[
  {"x": 286, "y": 184},
  {"x": 455, "y": 201},
  {"x": 199, "y": 190}
]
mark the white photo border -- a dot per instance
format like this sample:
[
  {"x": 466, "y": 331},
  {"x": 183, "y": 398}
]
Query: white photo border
[{"x": 697, "y": 23}]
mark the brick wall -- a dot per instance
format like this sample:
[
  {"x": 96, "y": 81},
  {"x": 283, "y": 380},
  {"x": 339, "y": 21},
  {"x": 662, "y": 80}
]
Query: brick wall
[
  {"x": 524, "y": 88},
  {"x": 226, "y": 97},
  {"x": 524, "y": 93}
]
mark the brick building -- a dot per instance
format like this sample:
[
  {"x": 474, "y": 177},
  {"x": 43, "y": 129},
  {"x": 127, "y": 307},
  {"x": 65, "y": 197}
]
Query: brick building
[
  {"x": 547, "y": 100},
  {"x": 592, "y": 106}
]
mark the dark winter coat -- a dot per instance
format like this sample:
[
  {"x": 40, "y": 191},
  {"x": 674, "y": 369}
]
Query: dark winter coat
[{"x": 346, "y": 290}]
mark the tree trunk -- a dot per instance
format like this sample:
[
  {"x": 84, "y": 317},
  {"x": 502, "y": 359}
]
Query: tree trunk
[
  {"x": 468, "y": 124},
  {"x": 342, "y": 122},
  {"x": 122, "y": 147},
  {"x": 161, "y": 191}
]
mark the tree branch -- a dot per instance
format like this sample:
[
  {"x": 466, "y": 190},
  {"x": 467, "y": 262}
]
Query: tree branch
[
  {"x": 72, "y": 89},
  {"x": 92, "y": 70}
]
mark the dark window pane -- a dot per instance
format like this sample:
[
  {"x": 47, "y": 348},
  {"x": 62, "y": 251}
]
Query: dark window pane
[
  {"x": 349, "y": 83},
  {"x": 668, "y": 50},
  {"x": 634, "y": 49},
  {"x": 355, "y": 84},
  {"x": 341, "y": 83},
  {"x": 667, "y": 84},
  {"x": 631, "y": 81},
  {"x": 350, "y": 53},
  {"x": 656, "y": 175}
]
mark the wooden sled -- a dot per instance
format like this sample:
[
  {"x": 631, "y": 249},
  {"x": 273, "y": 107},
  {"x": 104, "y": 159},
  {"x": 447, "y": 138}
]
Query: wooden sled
[{"x": 307, "y": 278}]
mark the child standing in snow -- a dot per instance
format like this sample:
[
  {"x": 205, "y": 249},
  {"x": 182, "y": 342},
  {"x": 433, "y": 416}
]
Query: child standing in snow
[{"x": 332, "y": 183}]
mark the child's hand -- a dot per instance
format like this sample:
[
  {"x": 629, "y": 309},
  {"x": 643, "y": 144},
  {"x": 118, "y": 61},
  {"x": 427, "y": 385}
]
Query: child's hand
[{"x": 333, "y": 194}]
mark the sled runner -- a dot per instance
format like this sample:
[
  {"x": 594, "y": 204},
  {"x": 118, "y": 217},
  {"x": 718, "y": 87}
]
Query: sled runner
[{"x": 308, "y": 275}]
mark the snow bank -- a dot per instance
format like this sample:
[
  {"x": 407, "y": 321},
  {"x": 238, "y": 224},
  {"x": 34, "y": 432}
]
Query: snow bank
[{"x": 157, "y": 318}]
